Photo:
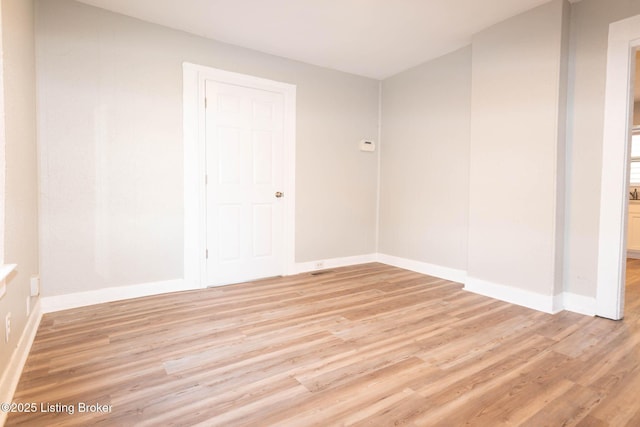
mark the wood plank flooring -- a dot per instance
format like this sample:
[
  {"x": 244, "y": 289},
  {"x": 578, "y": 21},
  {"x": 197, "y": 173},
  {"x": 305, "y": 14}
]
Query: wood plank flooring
[{"x": 365, "y": 345}]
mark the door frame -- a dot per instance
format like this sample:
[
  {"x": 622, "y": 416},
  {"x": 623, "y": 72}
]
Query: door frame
[
  {"x": 195, "y": 215},
  {"x": 624, "y": 37}
]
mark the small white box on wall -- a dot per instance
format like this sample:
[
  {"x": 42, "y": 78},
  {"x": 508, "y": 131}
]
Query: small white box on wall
[
  {"x": 367, "y": 145},
  {"x": 35, "y": 285}
]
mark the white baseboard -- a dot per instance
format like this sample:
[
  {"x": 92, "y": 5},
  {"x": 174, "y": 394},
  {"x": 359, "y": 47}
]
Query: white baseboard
[
  {"x": 323, "y": 264},
  {"x": 439, "y": 271},
  {"x": 545, "y": 303},
  {"x": 81, "y": 299},
  {"x": 558, "y": 303},
  {"x": 579, "y": 304},
  {"x": 12, "y": 371},
  {"x": 536, "y": 301}
]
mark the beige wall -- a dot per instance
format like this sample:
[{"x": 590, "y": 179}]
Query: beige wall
[
  {"x": 110, "y": 133},
  {"x": 21, "y": 191},
  {"x": 514, "y": 168},
  {"x": 425, "y": 162},
  {"x": 590, "y": 21}
]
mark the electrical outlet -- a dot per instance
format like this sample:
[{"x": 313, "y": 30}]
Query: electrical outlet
[
  {"x": 319, "y": 265},
  {"x": 7, "y": 327}
]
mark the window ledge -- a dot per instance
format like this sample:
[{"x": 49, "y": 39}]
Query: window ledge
[{"x": 6, "y": 269}]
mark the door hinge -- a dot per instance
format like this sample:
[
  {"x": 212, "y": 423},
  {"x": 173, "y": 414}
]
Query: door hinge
[
  {"x": 206, "y": 179},
  {"x": 205, "y": 103},
  {"x": 206, "y": 253}
]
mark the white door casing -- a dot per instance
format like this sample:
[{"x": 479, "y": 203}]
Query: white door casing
[
  {"x": 624, "y": 37},
  {"x": 195, "y": 168},
  {"x": 244, "y": 146}
]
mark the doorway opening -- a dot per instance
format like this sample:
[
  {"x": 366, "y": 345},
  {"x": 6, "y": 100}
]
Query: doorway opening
[
  {"x": 624, "y": 38},
  {"x": 633, "y": 180}
]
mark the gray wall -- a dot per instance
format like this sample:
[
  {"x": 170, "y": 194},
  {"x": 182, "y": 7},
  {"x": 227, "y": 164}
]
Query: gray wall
[
  {"x": 110, "y": 98},
  {"x": 110, "y": 135},
  {"x": 528, "y": 215},
  {"x": 514, "y": 168},
  {"x": 425, "y": 162},
  {"x": 21, "y": 187},
  {"x": 590, "y": 21},
  {"x": 473, "y": 162}
]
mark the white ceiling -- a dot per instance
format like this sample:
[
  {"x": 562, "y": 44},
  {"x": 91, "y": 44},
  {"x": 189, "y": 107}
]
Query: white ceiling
[{"x": 374, "y": 38}]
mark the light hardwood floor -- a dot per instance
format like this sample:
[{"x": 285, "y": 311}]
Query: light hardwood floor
[{"x": 364, "y": 345}]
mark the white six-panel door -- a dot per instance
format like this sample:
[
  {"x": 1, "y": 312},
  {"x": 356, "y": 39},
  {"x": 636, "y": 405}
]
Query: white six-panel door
[{"x": 244, "y": 167}]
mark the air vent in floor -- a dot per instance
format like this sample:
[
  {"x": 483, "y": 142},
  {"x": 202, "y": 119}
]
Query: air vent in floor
[{"x": 317, "y": 273}]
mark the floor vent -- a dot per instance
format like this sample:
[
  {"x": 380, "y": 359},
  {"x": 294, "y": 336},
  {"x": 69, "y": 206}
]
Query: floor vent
[{"x": 317, "y": 273}]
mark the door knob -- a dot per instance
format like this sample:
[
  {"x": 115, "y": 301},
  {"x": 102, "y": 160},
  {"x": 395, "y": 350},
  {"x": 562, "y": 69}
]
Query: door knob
[{"x": 279, "y": 194}]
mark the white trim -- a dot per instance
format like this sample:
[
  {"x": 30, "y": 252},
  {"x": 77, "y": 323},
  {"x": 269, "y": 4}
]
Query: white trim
[
  {"x": 82, "y": 299},
  {"x": 194, "y": 220},
  {"x": 623, "y": 37},
  {"x": 195, "y": 164},
  {"x": 545, "y": 303},
  {"x": 557, "y": 303},
  {"x": 579, "y": 304},
  {"x": 439, "y": 271},
  {"x": 13, "y": 369},
  {"x": 501, "y": 292},
  {"x": 6, "y": 269},
  {"x": 304, "y": 267}
]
